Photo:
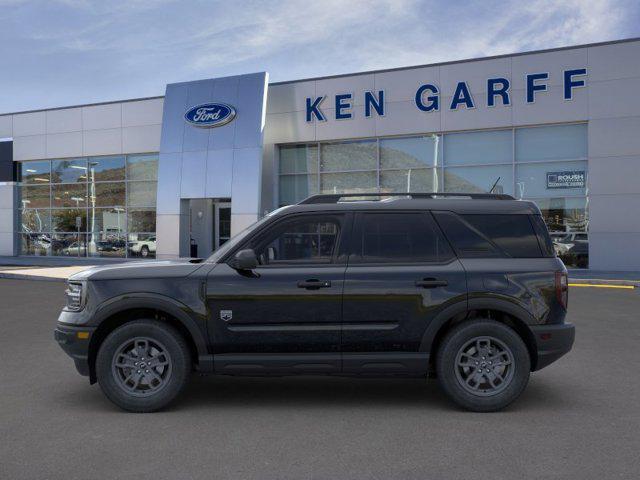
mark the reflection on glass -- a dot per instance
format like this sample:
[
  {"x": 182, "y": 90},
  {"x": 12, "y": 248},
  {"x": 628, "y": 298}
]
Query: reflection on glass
[
  {"x": 107, "y": 220},
  {"x": 38, "y": 244},
  {"x": 354, "y": 182},
  {"x": 479, "y": 179},
  {"x": 474, "y": 148},
  {"x": 35, "y": 220},
  {"x": 110, "y": 194},
  {"x": 34, "y": 196},
  {"x": 412, "y": 152},
  {"x": 65, "y": 220},
  {"x": 34, "y": 172},
  {"x": 142, "y": 194},
  {"x": 106, "y": 244},
  {"x": 531, "y": 179},
  {"x": 294, "y": 188},
  {"x": 107, "y": 169},
  {"x": 69, "y": 195},
  {"x": 69, "y": 245},
  {"x": 557, "y": 142},
  {"x": 411, "y": 180},
  {"x": 142, "y": 167},
  {"x": 299, "y": 159},
  {"x": 69, "y": 171},
  {"x": 142, "y": 245},
  {"x": 142, "y": 220},
  {"x": 345, "y": 156}
]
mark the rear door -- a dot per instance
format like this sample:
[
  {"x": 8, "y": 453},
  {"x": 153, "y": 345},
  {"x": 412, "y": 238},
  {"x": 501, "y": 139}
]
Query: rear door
[{"x": 401, "y": 274}]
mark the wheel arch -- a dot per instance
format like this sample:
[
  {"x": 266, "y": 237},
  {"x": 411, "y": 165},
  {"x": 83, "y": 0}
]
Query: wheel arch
[
  {"x": 121, "y": 310},
  {"x": 501, "y": 310}
]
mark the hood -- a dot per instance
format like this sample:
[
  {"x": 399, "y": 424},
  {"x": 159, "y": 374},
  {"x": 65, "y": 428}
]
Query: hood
[{"x": 142, "y": 269}]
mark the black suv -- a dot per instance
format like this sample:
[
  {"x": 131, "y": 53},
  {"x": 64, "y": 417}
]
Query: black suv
[{"x": 465, "y": 287}]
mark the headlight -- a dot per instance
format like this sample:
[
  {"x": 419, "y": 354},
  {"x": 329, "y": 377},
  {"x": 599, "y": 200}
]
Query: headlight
[{"x": 75, "y": 296}]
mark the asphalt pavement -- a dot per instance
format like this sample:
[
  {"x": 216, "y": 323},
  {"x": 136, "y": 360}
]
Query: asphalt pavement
[{"x": 578, "y": 418}]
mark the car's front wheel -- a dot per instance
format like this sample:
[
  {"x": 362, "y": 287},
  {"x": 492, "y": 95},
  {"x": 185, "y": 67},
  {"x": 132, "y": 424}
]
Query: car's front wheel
[
  {"x": 143, "y": 365},
  {"x": 483, "y": 365}
]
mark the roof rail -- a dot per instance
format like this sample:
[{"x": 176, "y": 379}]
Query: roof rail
[{"x": 336, "y": 197}]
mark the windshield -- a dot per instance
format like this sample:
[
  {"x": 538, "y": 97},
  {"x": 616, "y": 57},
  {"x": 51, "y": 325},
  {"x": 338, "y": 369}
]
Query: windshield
[{"x": 239, "y": 238}]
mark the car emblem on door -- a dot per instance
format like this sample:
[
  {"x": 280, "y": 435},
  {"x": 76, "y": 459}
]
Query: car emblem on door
[{"x": 226, "y": 315}]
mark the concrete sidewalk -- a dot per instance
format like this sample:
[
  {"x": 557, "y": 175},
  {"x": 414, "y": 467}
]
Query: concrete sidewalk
[{"x": 54, "y": 274}]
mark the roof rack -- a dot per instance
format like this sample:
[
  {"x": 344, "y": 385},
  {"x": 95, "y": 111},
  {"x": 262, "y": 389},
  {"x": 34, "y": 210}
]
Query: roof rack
[{"x": 336, "y": 197}]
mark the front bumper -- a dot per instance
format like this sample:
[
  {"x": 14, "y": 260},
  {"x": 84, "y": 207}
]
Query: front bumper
[
  {"x": 75, "y": 343},
  {"x": 552, "y": 341}
]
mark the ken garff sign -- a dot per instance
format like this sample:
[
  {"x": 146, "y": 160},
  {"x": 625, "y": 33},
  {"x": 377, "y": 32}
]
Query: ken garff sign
[
  {"x": 567, "y": 179},
  {"x": 427, "y": 96},
  {"x": 210, "y": 115}
]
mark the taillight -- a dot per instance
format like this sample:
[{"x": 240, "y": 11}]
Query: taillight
[{"x": 562, "y": 289}]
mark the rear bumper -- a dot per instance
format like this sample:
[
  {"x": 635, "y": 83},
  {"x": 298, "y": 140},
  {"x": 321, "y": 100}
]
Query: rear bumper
[
  {"x": 75, "y": 346},
  {"x": 552, "y": 341}
]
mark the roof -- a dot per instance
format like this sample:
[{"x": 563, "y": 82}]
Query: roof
[{"x": 458, "y": 204}]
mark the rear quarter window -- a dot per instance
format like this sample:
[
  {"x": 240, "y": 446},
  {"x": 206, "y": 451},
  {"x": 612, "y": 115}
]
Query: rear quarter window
[{"x": 487, "y": 236}]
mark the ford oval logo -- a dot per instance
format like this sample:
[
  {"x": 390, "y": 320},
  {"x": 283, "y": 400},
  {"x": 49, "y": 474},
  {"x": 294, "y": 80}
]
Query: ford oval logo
[{"x": 210, "y": 115}]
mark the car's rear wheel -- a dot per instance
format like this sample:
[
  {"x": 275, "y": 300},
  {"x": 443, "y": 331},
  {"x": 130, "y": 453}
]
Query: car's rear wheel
[
  {"x": 483, "y": 365},
  {"x": 143, "y": 365}
]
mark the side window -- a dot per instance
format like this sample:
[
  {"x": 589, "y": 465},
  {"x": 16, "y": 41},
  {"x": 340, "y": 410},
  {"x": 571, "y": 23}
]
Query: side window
[
  {"x": 512, "y": 233},
  {"x": 543, "y": 235},
  {"x": 304, "y": 240},
  {"x": 399, "y": 237},
  {"x": 468, "y": 242}
]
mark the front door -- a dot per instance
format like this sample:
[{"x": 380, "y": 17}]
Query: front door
[
  {"x": 286, "y": 314},
  {"x": 401, "y": 274}
]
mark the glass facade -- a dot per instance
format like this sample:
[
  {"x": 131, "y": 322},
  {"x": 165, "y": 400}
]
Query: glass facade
[
  {"x": 546, "y": 164},
  {"x": 88, "y": 207}
]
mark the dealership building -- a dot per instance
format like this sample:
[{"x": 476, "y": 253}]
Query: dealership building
[{"x": 177, "y": 175}]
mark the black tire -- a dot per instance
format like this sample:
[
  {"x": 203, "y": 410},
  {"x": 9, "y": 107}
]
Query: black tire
[
  {"x": 161, "y": 384},
  {"x": 144, "y": 251},
  {"x": 456, "y": 362}
]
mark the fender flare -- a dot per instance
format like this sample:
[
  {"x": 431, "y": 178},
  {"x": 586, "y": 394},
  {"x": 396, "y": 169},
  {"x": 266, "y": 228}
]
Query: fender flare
[
  {"x": 155, "y": 301},
  {"x": 481, "y": 303}
]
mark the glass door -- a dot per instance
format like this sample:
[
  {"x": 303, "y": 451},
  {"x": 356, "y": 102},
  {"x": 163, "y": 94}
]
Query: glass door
[{"x": 223, "y": 224}]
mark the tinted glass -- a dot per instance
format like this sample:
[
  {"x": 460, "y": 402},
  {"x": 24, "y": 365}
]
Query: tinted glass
[
  {"x": 400, "y": 237},
  {"x": 142, "y": 194},
  {"x": 34, "y": 172},
  {"x": 360, "y": 155},
  {"x": 64, "y": 220},
  {"x": 142, "y": 167},
  {"x": 109, "y": 194},
  {"x": 299, "y": 159},
  {"x": 468, "y": 243},
  {"x": 479, "y": 179},
  {"x": 543, "y": 235},
  {"x": 476, "y": 148},
  {"x": 412, "y": 180},
  {"x": 558, "y": 142},
  {"x": 512, "y": 233},
  {"x": 106, "y": 169},
  {"x": 303, "y": 241},
  {"x": 143, "y": 220},
  {"x": 69, "y": 171},
  {"x": 34, "y": 196},
  {"x": 35, "y": 220},
  {"x": 69, "y": 195},
  {"x": 411, "y": 152}
]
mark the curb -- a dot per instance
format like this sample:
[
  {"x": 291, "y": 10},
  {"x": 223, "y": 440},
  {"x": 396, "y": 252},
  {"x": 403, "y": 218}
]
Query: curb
[{"x": 20, "y": 276}]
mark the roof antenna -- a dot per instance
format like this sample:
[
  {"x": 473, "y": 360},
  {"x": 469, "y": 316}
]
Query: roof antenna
[{"x": 494, "y": 185}]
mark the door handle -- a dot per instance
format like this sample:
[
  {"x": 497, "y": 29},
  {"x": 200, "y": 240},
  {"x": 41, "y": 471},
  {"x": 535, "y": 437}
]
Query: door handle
[
  {"x": 431, "y": 283},
  {"x": 314, "y": 284}
]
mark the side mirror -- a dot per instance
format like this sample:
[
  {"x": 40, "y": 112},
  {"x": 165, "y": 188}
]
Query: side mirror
[{"x": 244, "y": 260}]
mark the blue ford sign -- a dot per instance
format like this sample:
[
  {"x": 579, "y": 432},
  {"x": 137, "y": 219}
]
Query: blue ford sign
[{"x": 210, "y": 115}]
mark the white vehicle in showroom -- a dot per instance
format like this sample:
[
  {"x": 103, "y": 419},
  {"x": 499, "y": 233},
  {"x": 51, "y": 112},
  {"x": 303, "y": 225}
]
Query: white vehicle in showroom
[{"x": 143, "y": 247}]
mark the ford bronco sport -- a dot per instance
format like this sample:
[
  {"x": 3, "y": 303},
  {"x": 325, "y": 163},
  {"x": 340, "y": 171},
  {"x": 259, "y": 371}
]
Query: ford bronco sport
[{"x": 464, "y": 287}]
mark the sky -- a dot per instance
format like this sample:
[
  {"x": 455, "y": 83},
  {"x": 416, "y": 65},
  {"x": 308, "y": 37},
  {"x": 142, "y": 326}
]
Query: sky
[{"x": 69, "y": 52}]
